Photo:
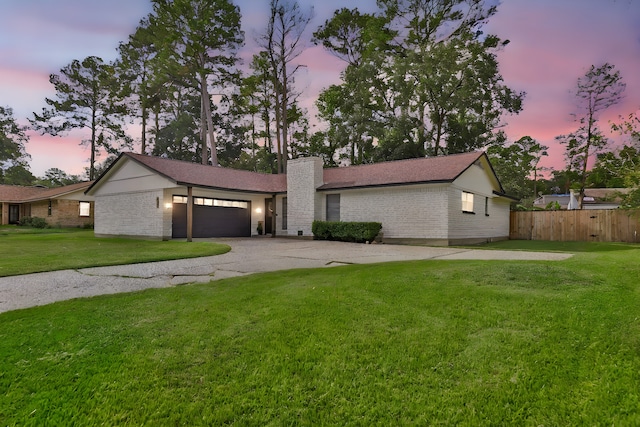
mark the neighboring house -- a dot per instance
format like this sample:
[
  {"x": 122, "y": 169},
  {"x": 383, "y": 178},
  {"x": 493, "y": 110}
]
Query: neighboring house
[
  {"x": 594, "y": 198},
  {"x": 441, "y": 200},
  {"x": 65, "y": 206}
]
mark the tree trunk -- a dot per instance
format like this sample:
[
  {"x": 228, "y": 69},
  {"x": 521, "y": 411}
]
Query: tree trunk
[
  {"x": 92, "y": 161},
  {"x": 439, "y": 125},
  {"x": 285, "y": 125},
  {"x": 157, "y": 124},
  {"x": 278, "y": 128},
  {"x": 583, "y": 180},
  {"x": 203, "y": 133},
  {"x": 422, "y": 139},
  {"x": 353, "y": 150},
  {"x": 206, "y": 99},
  {"x": 143, "y": 141}
]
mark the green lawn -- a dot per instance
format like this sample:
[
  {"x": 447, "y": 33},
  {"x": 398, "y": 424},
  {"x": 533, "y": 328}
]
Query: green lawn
[
  {"x": 546, "y": 246},
  {"x": 27, "y": 250},
  {"x": 468, "y": 343}
]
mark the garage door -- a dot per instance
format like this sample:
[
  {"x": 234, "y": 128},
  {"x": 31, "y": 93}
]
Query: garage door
[{"x": 213, "y": 218}]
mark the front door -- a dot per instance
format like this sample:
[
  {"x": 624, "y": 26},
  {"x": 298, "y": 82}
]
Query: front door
[
  {"x": 14, "y": 214},
  {"x": 268, "y": 216}
]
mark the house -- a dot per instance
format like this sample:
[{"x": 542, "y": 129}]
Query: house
[
  {"x": 65, "y": 206},
  {"x": 440, "y": 200},
  {"x": 594, "y": 198}
]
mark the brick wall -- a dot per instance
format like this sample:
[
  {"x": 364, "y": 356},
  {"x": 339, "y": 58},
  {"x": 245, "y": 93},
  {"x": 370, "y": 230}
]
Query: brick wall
[
  {"x": 411, "y": 212},
  {"x": 64, "y": 213},
  {"x": 140, "y": 214},
  {"x": 304, "y": 175},
  {"x": 478, "y": 226}
]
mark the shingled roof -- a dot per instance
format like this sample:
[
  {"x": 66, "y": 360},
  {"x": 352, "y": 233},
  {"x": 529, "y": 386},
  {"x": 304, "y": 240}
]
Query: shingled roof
[
  {"x": 198, "y": 175},
  {"x": 399, "y": 172},
  {"x": 18, "y": 193},
  {"x": 21, "y": 194}
]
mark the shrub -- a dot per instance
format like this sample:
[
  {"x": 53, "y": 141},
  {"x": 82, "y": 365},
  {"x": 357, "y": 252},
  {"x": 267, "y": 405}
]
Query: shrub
[
  {"x": 553, "y": 206},
  {"x": 321, "y": 230},
  {"x": 346, "y": 231},
  {"x": 34, "y": 221}
]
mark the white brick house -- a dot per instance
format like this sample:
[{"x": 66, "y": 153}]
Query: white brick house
[{"x": 441, "y": 200}]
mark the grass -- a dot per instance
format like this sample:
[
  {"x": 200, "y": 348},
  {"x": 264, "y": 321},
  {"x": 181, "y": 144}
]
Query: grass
[
  {"x": 547, "y": 246},
  {"x": 468, "y": 343},
  {"x": 26, "y": 250}
]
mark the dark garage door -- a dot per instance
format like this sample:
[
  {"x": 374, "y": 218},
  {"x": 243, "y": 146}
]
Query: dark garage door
[{"x": 212, "y": 221}]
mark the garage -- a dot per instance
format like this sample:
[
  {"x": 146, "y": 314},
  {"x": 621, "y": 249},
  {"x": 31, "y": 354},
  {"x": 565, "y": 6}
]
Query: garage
[{"x": 212, "y": 217}]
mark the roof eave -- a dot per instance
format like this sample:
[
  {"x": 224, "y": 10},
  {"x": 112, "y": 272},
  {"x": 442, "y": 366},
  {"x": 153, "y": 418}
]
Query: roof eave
[
  {"x": 505, "y": 195},
  {"x": 53, "y": 196},
  {"x": 393, "y": 184},
  {"x": 238, "y": 190},
  {"x": 480, "y": 154},
  {"x": 103, "y": 174}
]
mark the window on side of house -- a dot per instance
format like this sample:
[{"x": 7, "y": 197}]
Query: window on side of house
[
  {"x": 49, "y": 208},
  {"x": 333, "y": 207},
  {"x": 284, "y": 213},
  {"x": 85, "y": 209},
  {"x": 467, "y": 202},
  {"x": 486, "y": 206}
]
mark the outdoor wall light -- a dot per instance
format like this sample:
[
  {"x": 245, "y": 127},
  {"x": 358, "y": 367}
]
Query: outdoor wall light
[
  {"x": 168, "y": 205},
  {"x": 259, "y": 210}
]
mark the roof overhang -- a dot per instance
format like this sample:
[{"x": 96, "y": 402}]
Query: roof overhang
[
  {"x": 177, "y": 182},
  {"x": 234, "y": 190},
  {"x": 506, "y": 196},
  {"x": 325, "y": 188}
]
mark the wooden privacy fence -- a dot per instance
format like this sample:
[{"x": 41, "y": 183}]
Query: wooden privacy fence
[{"x": 576, "y": 225}]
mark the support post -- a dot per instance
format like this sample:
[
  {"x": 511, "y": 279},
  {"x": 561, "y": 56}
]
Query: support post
[
  {"x": 189, "y": 214},
  {"x": 274, "y": 221}
]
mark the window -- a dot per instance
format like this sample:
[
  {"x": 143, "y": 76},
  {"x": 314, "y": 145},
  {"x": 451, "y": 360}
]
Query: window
[
  {"x": 180, "y": 199},
  {"x": 85, "y": 209},
  {"x": 230, "y": 203},
  {"x": 49, "y": 209},
  {"x": 205, "y": 201},
  {"x": 486, "y": 206},
  {"x": 333, "y": 207},
  {"x": 467, "y": 202},
  {"x": 284, "y": 213}
]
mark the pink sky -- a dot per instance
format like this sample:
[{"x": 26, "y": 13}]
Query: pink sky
[{"x": 552, "y": 44}]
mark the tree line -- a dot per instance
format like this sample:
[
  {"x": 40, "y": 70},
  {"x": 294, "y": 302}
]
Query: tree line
[
  {"x": 420, "y": 78},
  {"x": 410, "y": 70}
]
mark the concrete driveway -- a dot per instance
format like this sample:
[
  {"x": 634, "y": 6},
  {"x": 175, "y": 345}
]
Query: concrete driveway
[{"x": 247, "y": 256}]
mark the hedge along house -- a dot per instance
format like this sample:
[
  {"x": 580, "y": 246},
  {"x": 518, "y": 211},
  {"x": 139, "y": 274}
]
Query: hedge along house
[
  {"x": 441, "y": 200},
  {"x": 65, "y": 206}
]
